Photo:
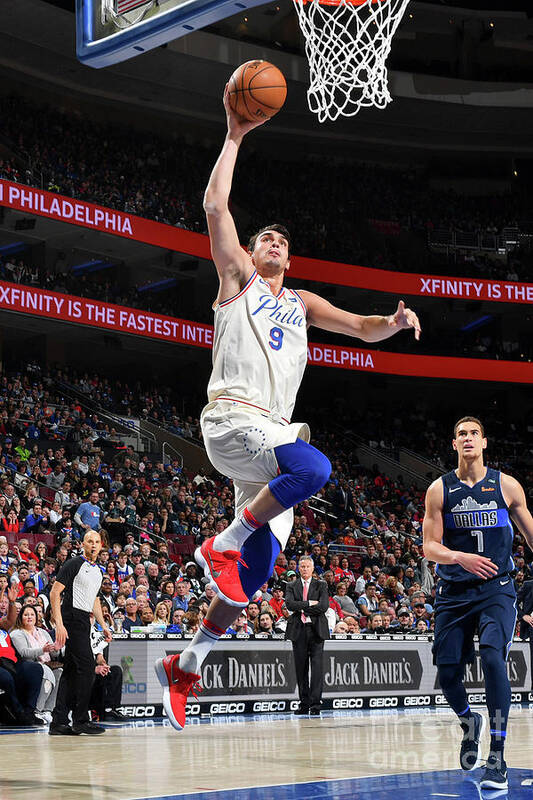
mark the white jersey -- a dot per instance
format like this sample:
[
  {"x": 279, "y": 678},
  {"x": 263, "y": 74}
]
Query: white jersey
[{"x": 260, "y": 348}]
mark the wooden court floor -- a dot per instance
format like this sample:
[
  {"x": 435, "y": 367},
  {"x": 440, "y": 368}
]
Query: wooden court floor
[{"x": 400, "y": 755}]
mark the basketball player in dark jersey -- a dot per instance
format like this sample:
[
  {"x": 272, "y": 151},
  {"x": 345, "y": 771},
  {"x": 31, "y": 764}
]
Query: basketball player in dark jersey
[{"x": 468, "y": 532}]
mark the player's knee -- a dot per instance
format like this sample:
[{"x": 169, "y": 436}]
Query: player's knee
[
  {"x": 319, "y": 471},
  {"x": 491, "y": 659},
  {"x": 305, "y": 468},
  {"x": 450, "y": 676}
]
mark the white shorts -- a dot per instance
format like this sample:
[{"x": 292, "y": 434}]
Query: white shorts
[{"x": 240, "y": 444}]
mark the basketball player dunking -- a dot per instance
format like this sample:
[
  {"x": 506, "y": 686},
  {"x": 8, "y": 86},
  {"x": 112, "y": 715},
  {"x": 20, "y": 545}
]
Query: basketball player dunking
[
  {"x": 468, "y": 532},
  {"x": 259, "y": 356}
]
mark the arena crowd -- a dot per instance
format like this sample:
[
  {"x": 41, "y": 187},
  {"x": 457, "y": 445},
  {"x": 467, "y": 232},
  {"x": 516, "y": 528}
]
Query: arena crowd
[
  {"x": 363, "y": 530},
  {"x": 375, "y": 216}
]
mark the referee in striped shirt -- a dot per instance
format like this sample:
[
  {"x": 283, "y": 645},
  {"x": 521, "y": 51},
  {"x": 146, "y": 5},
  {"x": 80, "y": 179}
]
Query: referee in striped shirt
[{"x": 79, "y": 581}]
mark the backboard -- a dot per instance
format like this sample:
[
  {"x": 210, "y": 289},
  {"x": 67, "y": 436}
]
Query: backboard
[{"x": 109, "y": 31}]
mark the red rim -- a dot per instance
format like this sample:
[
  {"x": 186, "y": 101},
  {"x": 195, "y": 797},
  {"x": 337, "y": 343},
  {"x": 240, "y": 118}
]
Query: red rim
[{"x": 338, "y": 2}]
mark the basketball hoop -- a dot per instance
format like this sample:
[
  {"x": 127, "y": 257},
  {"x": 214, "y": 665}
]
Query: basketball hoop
[{"x": 347, "y": 43}]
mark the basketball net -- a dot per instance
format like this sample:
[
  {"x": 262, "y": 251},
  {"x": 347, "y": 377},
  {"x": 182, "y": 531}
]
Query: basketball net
[{"x": 347, "y": 43}]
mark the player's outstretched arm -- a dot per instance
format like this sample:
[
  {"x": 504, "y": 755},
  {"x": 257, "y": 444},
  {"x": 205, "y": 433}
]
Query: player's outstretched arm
[
  {"x": 373, "y": 328},
  {"x": 434, "y": 550},
  {"x": 515, "y": 498},
  {"x": 233, "y": 265}
]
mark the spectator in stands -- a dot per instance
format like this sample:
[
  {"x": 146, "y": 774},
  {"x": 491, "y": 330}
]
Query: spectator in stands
[
  {"x": 347, "y": 573},
  {"x": 176, "y": 624},
  {"x": 162, "y": 614},
  {"x": 368, "y": 601},
  {"x": 419, "y": 610},
  {"x": 147, "y": 616},
  {"x": 34, "y": 643},
  {"x": 11, "y": 523},
  {"x": 405, "y": 620},
  {"x": 329, "y": 579},
  {"x": 340, "y": 629},
  {"x": 252, "y": 611},
  {"x": 181, "y": 600},
  {"x": 5, "y": 559},
  {"x": 190, "y": 622},
  {"x": 346, "y": 603},
  {"x": 20, "y": 680},
  {"x": 56, "y": 478},
  {"x": 241, "y": 625},
  {"x": 23, "y": 551},
  {"x": 264, "y": 624},
  {"x": 107, "y": 594},
  {"x": 375, "y": 623},
  {"x": 36, "y": 519},
  {"x": 371, "y": 559},
  {"x": 132, "y": 618},
  {"x": 88, "y": 515},
  {"x": 352, "y": 624},
  {"x": 123, "y": 568},
  {"x": 277, "y": 600},
  {"x": 20, "y": 577}
]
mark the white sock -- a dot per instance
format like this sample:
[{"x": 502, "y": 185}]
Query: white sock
[
  {"x": 237, "y": 533},
  {"x": 201, "y": 645}
]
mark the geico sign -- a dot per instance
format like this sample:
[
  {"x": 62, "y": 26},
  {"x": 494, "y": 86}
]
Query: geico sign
[
  {"x": 476, "y": 698},
  {"x": 138, "y": 711},
  {"x": 348, "y": 702},
  {"x": 383, "y": 702},
  {"x": 440, "y": 700},
  {"x": 191, "y": 710},
  {"x": 422, "y": 700},
  {"x": 226, "y": 708},
  {"x": 134, "y": 688},
  {"x": 270, "y": 705},
  {"x": 516, "y": 698}
]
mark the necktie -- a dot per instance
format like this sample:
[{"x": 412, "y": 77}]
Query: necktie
[{"x": 306, "y": 589}]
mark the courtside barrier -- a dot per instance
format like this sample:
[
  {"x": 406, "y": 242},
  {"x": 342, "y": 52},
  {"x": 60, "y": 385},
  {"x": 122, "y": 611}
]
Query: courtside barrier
[{"x": 244, "y": 676}]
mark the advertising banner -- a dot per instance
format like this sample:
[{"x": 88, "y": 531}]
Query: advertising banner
[
  {"x": 89, "y": 215},
  {"x": 96, "y": 313},
  {"x": 243, "y": 675},
  {"x": 410, "y": 283},
  {"x": 105, "y": 220}
]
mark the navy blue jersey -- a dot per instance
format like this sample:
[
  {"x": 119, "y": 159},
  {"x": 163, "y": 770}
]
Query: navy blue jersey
[{"x": 476, "y": 520}]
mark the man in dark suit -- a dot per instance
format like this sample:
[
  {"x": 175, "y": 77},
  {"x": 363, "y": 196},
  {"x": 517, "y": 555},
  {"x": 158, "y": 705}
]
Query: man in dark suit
[
  {"x": 307, "y": 628},
  {"x": 525, "y": 615}
]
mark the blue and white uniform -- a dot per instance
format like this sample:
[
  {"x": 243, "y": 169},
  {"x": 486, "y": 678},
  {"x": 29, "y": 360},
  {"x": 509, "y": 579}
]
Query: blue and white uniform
[
  {"x": 475, "y": 520},
  {"x": 259, "y": 357}
]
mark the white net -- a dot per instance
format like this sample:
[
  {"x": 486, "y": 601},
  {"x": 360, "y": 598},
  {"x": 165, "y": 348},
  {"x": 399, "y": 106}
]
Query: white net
[{"x": 347, "y": 43}]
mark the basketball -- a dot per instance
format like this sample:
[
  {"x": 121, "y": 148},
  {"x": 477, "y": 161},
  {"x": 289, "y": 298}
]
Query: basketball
[{"x": 257, "y": 90}]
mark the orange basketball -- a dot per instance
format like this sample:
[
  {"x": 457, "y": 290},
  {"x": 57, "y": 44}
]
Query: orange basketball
[{"x": 257, "y": 90}]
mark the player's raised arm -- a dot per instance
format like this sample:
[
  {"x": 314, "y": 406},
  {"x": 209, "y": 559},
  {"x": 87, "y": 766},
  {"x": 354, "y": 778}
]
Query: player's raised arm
[
  {"x": 231, "y": 261},
  {"x": 515, "y": 498},
  {"x": 434, "y": 550},
  {"x": 373, "y": 328}
]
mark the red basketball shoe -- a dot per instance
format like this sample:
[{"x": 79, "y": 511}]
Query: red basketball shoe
[
  {"x": 177, "y": 685},
  {"x": 223, "y": 572}
]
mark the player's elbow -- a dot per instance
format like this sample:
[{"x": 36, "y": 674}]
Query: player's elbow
[{"x": 214, "y": 206}]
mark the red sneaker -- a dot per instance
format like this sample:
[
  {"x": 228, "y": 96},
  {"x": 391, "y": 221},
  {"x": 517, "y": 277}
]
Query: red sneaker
[
  {"x": 176, "y": 685},
  {"x": 222, "y": 570}
]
